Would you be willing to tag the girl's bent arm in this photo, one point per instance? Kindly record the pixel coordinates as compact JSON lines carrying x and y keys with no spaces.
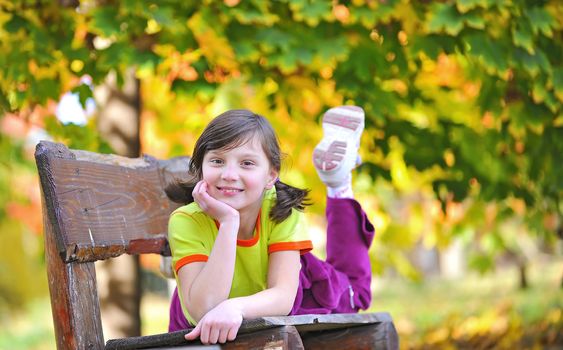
{"x":205,"y":285}
{"x":278,"y":298}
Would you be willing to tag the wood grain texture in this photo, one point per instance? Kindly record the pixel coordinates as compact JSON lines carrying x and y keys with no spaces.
{"x":374,"y":336}
{"x":278,"y":338}
{"x":382,"y":335}
{"x":74,"y":299}
{"x":102,"y":206}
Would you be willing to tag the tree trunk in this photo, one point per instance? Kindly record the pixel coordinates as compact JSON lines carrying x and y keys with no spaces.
{"x":119,"y":282}
{"x":522,"y":269}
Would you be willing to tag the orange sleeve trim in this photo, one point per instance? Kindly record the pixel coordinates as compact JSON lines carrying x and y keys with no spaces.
{"x":190,"y":259}
{"x":302,"y":246}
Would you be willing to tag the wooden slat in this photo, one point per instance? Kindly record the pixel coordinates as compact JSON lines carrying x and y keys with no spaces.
{"x":373,"y":336}
{"x":74,"y":298}
{"x":102,"y":206}
{"x":280,"y":337}
{"x":303,"y":324}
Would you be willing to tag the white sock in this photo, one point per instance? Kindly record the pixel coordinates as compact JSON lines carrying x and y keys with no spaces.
{"x":341,"y":191}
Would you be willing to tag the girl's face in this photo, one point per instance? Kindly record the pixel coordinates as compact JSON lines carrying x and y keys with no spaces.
{"x":239,"y":176}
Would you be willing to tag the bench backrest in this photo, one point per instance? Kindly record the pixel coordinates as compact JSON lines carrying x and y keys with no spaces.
{"x":96,"y":207}
{"x":102,"y":206}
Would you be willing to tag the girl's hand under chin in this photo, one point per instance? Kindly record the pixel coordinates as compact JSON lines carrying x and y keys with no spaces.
{"x":216,"y":209}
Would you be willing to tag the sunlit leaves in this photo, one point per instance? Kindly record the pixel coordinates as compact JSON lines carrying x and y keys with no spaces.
{"x":488,"y":52}
{"x":105,"y":21}
{"x":445,"y":18}
{"x":541,"y":21}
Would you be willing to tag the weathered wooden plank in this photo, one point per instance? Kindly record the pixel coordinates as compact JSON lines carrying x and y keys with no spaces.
{"x":280,"y":337}
{"x":303,"y":324}
{"x":74,"y":298}
{"x":374,"y":336}
{"x":102,"y":206}
{"x":313,"y":322}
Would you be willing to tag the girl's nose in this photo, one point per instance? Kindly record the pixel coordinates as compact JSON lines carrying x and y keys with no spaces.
{"x":229,"y":173}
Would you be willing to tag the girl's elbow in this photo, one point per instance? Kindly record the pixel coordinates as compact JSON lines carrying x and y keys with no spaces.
{"x":288,"y":303}
{"x":287,"y":310}
{"x":198,"y":309}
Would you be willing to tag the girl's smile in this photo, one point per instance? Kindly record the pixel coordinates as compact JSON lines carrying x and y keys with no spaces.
{"x":229,"y":191}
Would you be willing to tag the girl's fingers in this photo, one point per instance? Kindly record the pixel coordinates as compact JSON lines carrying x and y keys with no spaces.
{"x":223,"y":336}
{"x":195,"y":191}
{"x":204,"y":336}
{"x":194,"y":333}
{"x":232,"y":333}
{"x":214,"y":335}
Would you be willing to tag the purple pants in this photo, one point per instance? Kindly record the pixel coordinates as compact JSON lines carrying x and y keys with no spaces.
{"x":341,"y":284}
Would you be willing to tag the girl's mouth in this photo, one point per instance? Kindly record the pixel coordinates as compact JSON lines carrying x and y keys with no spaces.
{"x":229,"y":190}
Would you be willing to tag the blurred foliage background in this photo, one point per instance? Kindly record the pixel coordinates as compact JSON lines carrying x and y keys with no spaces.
{"x":462,"y":153}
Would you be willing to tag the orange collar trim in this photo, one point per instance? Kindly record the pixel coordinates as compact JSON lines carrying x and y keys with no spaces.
{"x":252,"y":241}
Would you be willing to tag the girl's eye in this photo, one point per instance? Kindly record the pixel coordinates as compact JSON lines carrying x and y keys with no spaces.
{"x":216,"y":161}
{"x":247,"y":163}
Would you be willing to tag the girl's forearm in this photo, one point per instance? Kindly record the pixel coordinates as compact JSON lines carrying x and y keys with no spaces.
{"x":269,"y":302}
{"x":213,"y":283}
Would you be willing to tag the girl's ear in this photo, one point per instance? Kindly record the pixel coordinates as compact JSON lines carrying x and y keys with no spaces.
{"x":272,"y":178}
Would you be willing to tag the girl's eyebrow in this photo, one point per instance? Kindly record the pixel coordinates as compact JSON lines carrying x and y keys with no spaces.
{"x":249,"y":155}
{"x":244,"y":155}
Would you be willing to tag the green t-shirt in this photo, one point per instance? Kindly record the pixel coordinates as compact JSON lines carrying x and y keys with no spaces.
{"x":192,"y":234}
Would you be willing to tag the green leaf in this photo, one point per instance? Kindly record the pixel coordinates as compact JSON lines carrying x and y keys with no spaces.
{"x":523,"y":37}
{"x":45,"y":89}
{"x":491,"y":55}
{"x":474,"y":19}
{"x":557,"y":80}
{"x":444,"y":17}
{"x":84,"y":93}
{"x":533,"y":64}
{"x":366,"y":16}
{"x":15,"y":24}
{"x":105,"y":21}
{"x":251,"y":16}
{"x":432,"y":45}
{"x":467,"y":5}
{"x":332,"y":49}
{"x":541,"y":21}
{"x":246,"y":51}
{"x":304,"y":55}
{"x":287,"y":62}
{"x":312,"y":12}
{"x":271,"y":39}
{"x":164,"y":15}
{"x":4,"y":103}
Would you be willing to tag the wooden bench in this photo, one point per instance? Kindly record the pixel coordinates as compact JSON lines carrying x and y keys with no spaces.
{"x":99,"y":206}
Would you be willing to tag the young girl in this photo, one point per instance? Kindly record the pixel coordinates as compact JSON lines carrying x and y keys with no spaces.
{"x":240,"y":249}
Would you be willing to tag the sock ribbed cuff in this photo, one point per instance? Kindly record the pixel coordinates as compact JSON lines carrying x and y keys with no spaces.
{"x":344,"y":191}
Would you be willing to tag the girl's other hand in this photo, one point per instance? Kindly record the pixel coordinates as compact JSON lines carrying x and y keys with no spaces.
{"x":219,"y":325}
{"x":216,"y":209}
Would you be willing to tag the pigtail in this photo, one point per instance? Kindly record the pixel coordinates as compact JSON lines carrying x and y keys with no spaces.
{"x":180,"y":191}
{"x":288,"y":197}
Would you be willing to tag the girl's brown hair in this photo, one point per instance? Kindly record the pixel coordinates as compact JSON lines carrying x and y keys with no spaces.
{"x":230,"y":130}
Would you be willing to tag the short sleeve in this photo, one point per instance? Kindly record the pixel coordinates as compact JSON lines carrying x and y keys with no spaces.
{"x":290,"y":234}
{"x":188,"y":239}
